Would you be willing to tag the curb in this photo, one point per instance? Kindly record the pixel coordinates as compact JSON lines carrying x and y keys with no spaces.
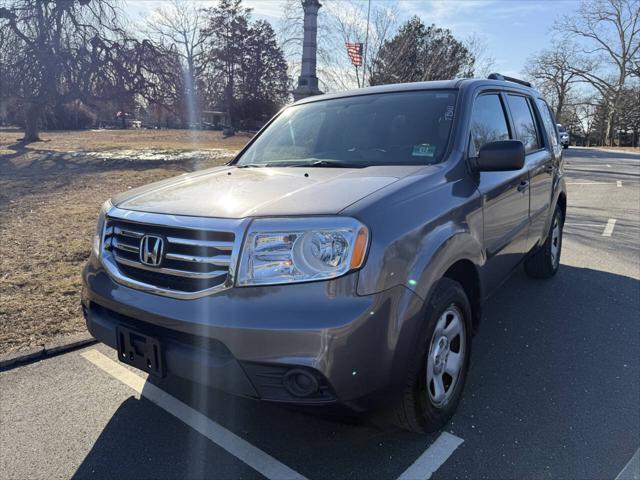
{"x":55,"y":347}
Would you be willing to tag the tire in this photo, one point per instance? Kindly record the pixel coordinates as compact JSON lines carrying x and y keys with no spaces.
{"x":545,"y":262}
{"x":418,"y":409}
{"x":565,"y":146}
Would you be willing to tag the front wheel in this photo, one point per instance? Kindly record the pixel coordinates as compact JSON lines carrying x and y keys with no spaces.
{"x":545,"y":262}
{"x":437,"y":375}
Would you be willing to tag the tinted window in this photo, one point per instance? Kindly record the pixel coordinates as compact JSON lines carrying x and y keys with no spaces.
{"x":488,"y":123}
{"x":524,"y":122}
{"x":383,"y":129}
{"x":547,"y":119}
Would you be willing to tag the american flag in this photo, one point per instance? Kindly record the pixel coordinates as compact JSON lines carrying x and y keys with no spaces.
{"x":355,"y":53}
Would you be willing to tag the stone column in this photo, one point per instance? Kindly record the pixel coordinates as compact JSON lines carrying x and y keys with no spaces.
{"x":307,"y":81}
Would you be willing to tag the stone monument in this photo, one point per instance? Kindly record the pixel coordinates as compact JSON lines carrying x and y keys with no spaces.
{"x":307,"y":81}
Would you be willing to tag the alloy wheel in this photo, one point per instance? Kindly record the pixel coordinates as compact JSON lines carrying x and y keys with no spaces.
{"x":446,"y":357}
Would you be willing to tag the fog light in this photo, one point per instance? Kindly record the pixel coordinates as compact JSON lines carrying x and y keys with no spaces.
{"x":300,"y":383}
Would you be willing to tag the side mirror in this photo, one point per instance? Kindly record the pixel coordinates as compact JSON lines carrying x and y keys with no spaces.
{"x":500,"y":156}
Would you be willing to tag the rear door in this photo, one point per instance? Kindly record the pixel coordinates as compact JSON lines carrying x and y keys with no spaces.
{"x":505,"y":194}
{"x":539,"y":163}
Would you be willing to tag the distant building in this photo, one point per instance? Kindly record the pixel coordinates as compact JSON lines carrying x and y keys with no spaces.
{"x":214,"y":119}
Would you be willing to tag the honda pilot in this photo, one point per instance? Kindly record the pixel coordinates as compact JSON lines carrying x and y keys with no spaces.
{"x":343,"y":257}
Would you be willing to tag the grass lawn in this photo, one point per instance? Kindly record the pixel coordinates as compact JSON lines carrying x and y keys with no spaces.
{"x":50,"y":195}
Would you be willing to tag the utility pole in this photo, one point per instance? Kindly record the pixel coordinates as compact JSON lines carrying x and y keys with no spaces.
{"x":366,"y":45}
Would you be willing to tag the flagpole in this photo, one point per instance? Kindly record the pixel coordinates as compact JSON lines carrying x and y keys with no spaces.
{"x":366,"y":41}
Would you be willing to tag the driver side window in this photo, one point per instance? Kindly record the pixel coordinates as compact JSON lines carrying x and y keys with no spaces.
{"x":488,"y":122}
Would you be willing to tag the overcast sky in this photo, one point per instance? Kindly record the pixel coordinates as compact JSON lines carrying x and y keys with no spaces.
{"x":513,"y":29}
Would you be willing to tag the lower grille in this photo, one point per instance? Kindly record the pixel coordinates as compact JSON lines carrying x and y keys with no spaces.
{"x":187,"y":260}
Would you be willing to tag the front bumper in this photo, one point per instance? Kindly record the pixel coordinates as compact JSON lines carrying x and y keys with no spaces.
{"x":245,"y":340}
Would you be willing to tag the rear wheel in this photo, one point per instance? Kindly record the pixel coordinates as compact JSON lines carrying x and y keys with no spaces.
{"x":545,"y":262}
{"x":438,"y":371}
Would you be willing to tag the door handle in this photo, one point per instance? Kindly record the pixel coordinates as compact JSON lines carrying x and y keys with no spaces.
{"x":523,"y":186}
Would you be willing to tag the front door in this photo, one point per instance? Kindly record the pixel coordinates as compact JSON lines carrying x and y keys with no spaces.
{"x":505,"y":195}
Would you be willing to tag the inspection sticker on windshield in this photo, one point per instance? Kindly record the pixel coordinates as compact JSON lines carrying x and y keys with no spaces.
{"x":424,"y":150}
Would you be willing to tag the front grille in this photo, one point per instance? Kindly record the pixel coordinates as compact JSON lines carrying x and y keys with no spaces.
{"x":193,"y":260}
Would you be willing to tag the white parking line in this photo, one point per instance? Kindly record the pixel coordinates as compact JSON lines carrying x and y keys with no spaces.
{"x":236,"y":446}
{"x":569,"y":224}
{"x":590,"y":183}
{"x":631,"y":471}
{"x":608,"y":228}
{"x":619,"y":183}
{"x":432,"y":458}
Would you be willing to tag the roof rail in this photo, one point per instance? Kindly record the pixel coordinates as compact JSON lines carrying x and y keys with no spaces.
{"x":498,"y":76}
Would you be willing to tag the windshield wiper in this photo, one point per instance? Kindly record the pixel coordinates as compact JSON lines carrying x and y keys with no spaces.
{"x":256,"y":165}
{"x":331,"y":164}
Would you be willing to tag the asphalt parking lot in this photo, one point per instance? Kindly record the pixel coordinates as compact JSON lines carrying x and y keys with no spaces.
{"x":553,"y":392}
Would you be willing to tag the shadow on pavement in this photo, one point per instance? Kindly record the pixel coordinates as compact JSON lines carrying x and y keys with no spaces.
{"x":552,"y":392}
{"x":554,"y":384}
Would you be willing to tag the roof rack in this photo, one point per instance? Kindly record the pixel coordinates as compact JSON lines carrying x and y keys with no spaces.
{"x":504,"y":78}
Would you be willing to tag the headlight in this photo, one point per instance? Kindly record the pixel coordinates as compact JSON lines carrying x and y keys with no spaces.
{"x":97,"y":238}
{"x":295,"y":250}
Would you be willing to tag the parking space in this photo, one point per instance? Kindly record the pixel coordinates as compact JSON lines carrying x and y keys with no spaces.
{"x":553,"y":390}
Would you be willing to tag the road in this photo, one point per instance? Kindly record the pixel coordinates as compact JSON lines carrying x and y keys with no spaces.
{"x":553,"y":391}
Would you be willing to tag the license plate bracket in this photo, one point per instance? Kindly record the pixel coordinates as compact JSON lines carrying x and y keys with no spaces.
{"x":140,"y":351}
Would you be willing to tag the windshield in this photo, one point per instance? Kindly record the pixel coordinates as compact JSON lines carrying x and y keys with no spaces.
{"x":562,"y":130}
{"x":404,"y":128}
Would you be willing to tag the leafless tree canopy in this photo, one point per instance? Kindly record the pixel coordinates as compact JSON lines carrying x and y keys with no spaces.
{"x":609,"y":32}
{"x":554,"y":70}
{"x":65,"y":59}
{"x":69,"y":50}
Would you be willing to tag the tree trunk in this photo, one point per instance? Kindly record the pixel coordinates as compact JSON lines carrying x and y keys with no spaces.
{"x":559,"y":108}
{"x":32,"y":121}
{"x":608,"y":131}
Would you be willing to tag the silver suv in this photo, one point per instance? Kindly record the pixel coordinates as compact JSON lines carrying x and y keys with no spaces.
{"x":343,"y":257}
{"x":564,"y":136}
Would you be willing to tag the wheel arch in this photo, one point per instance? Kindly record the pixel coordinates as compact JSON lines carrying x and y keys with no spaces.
{"x":459,"y":258}
{"x":465,"y":272}
{"x":562,"y":203}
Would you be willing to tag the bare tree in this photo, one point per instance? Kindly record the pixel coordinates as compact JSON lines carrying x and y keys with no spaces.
{"x":50,"y":34}
{"x":580,"y":114}
{"x":179,"y":25}
{"x":611,"y":31}
{"x":554,"y":73}
{"x":484,"y":63}
{"x":69,"y":50}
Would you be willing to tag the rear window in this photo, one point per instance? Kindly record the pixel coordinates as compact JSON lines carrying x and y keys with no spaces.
{"x":547,"y":119}
{"x":524,"y":122}
{"x":382,"y":129}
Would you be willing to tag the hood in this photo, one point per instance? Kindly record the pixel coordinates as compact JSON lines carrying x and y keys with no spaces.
{"x":231,"y":192}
